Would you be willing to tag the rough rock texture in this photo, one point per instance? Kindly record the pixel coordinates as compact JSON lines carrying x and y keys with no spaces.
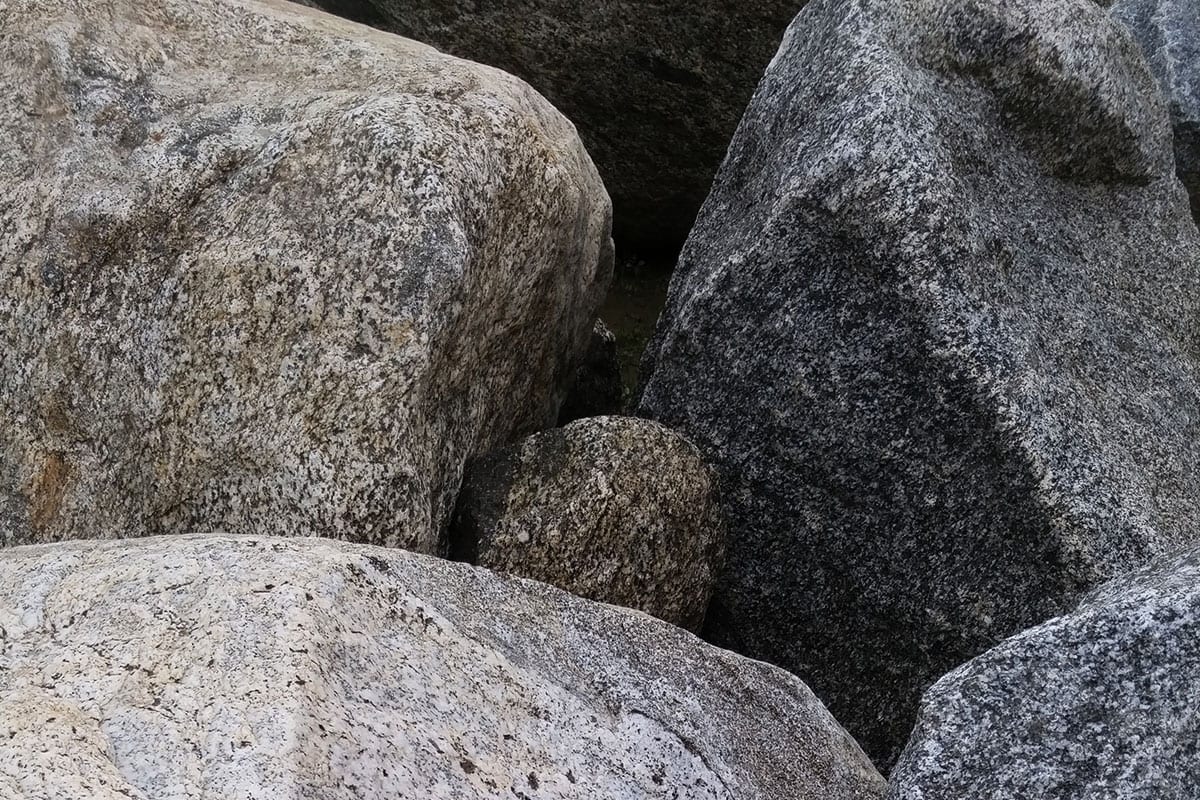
{"x":271,"y":271}
{"x":615,"y":509}
{"x":937,"y":331}
{"x":598,"y":388}
{"x":1169,"y":34}
{"x":1101,"y":702}
{"x":231,"y":667}
{"x":656,"y":89}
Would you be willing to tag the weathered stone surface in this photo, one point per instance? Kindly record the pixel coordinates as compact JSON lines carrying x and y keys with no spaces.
{"x":1169,"y":34}
{"x":1101,"y":702}
{"x":598,"y":389}
{"x":656,"y":89}
{"x":937,"y":329}
{"x":219,"y":666}
{"x":271,"y":271}
{"x":615,"y":509}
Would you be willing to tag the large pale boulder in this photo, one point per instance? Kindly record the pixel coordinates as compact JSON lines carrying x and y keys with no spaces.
{"x":656,"y":88}
{"x":1169,"y":34}
{"x":938,"y":329}
{"x":271,"y":271}
{"x":219,"y":666}
{"x":616,"y":509}
{"x":1101,"y":702}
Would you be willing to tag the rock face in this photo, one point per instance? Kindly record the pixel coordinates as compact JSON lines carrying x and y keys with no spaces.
{"x":598,"y":389}
{"x":223,"y":666}
{"x":937,"y":329}
{"x":272,"y":271}
{"x":1098,"y":703}
{"x":614,"y":509}
{"x":1169,"y":34}
{"x":656,"y":89}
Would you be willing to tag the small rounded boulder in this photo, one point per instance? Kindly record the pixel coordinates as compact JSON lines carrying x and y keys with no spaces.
{"x":615,"y":509}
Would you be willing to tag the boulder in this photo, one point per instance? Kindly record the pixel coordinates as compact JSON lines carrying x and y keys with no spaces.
{"x":272,"y":271}
{"x":1100,"y":702}
{"x":615,"y":509}
{"x":1169,"y":34}
{"x":656,"y":89}
{"x":220,"y":666}
{"x":938,"y":331}
{"x":598,"y":389}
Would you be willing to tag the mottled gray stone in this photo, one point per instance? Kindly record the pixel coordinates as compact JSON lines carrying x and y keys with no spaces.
{"x":1169,"y":34}
{"x":598,"y":389}
{"x":271,"y":271}
{"x":1099,"y":703}
{"x":615,"y":509}
{"x":656,"y":89}
{"x":238,"y":667}
{"x":937,"y":329}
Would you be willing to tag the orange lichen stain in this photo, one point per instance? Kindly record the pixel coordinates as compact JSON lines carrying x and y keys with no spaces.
{"x":47,"y":490}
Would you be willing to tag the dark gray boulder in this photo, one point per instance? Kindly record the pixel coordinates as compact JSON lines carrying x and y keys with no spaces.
{"x":656,"y":89}
{"x":937,"y":329}
{"x":1169,"y":34}
{"x":615,"y":509}
{"x":1099,"y":703}
{"x":598,"y":388}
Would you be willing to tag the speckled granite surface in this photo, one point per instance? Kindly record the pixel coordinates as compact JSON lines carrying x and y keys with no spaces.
{"x":616,"y":509}
{"x":1169,"y":34}
{"x":259,"y":669}
{"x":1103,"y":702}
{"x":656,"y":88}
{"x":938,"y":330}
{"x":270,"y":271}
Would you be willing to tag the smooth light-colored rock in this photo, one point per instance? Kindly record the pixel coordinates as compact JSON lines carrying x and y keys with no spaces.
{"x":656,"y":88}
{"x":1169,"y":34}
{"x":270,"y":271}
{"x":236,"y":667}
{"x":616,"y":509}
{"x":1099,"y":703}
{"x":598,"y":389}
{"x":938,"y":330}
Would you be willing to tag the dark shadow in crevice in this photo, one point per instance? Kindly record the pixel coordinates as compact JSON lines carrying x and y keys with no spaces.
{"x":631,"y":309}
